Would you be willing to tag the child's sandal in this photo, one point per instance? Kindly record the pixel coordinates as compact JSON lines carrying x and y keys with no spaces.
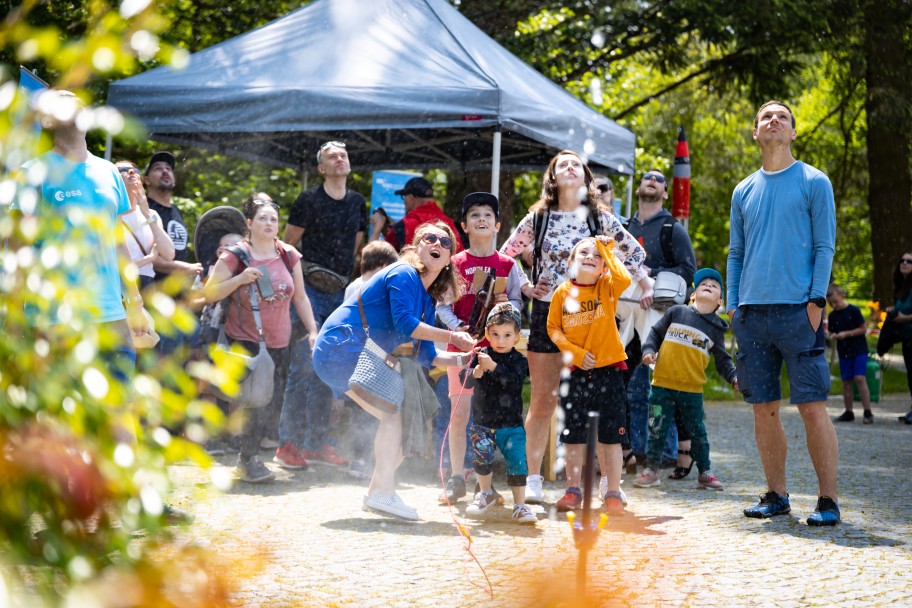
{"x":630,"y":467}
{"x":682,"y":472}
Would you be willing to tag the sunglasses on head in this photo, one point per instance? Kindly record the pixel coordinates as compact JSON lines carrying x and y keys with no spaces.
{"x":656,"y":176}
{"x":265,"y":201}
{"x":431,"y":238}
{"x":337,"y":144}
{"x":905,"y":261}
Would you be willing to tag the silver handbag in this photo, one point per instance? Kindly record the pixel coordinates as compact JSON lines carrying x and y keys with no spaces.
{"x":669,"y":289}
{"x":377,"y":378}
{"x":257,"y":382}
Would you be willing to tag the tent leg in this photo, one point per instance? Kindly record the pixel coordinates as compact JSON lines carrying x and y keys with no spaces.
{"x":109,"y":142}
{"x":630,"y":195}
{"x":495,"y":164}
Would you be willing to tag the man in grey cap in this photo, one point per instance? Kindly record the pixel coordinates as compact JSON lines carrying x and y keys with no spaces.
{"x":420,"y":208}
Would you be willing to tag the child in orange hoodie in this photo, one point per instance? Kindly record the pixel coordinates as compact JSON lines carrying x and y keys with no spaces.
{"x":581,"y":323}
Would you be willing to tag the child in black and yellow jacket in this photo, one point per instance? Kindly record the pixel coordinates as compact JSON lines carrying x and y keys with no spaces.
{"x":581,"y":323}
{"x":685,"y":338}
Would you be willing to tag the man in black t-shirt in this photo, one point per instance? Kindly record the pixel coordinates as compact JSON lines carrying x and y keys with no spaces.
{"x":159,"y":181}
{"x":327,"y":224}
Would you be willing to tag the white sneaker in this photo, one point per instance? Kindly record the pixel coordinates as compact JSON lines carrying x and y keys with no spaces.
{"x":523,"y":515}
{"x":603,"y":491}
{"x":480,"y":505}
{"x":534,"y":489}
{"x":389,"y":505}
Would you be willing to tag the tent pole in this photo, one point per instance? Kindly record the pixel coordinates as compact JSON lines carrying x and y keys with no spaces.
{"x":495,"y":164}
{"x":630,"y":196}
{"x":109,"y":142}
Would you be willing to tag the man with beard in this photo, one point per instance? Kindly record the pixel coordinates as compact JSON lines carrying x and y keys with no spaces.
{"x":159,"y":182}
{"x":668,"y":248}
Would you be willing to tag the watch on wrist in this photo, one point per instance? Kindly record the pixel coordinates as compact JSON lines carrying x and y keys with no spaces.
{"x":819,"y":302}
{"x":459,"y":360}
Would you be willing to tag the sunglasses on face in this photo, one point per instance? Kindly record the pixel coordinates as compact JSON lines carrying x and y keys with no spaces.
{"x":906,"y":261}
{"x":430,"y":238}
{"x":126,"y":170}
{"x":658,"y":177}
{"x":603,"y":188}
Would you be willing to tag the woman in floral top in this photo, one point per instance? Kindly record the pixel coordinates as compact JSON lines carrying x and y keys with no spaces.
{"x":567,"y":192}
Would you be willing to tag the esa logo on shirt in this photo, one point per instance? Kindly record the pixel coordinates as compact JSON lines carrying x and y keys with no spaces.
{"x":60,"y":195}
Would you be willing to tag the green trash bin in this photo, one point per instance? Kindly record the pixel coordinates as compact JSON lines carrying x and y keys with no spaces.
{"x":874,"y":376}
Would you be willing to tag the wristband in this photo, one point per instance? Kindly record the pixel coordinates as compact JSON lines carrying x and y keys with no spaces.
{"x":459,"y":360}
{"x":137,"y":299}
{"x":153,"y":218}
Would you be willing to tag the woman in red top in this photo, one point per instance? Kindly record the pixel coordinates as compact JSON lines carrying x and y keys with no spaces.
{"x":268,"y":256}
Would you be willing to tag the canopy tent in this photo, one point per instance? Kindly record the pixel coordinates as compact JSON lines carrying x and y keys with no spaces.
{"x":405,"y":83}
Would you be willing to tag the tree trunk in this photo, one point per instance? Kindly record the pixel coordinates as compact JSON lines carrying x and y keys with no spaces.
{"x":889,"y":133}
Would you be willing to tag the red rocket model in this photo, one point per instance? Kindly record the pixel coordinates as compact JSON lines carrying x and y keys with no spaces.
{"x":681,"y":195}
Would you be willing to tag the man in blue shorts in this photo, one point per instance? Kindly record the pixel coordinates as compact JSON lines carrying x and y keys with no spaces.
{"x":783,"y":235}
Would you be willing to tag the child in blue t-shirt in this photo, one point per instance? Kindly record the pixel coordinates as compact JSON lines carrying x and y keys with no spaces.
{"x":846,"y":325}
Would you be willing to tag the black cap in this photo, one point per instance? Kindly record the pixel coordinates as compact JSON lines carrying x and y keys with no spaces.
{"x":161,"y":157}
{"x":417,"y":186}
{"x":477,"y":199}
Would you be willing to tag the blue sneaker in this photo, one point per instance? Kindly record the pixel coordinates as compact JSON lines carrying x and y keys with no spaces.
{"x":770,"y":504}
{"x":826,"y":513}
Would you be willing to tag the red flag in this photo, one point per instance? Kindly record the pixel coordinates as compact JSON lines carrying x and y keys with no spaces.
{"x":680,"y":207}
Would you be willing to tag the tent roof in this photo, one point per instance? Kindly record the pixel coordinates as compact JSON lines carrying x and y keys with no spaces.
{"x":406,"y":83}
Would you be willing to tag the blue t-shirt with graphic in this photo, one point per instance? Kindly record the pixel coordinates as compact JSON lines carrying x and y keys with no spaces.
{"x":78,"y":205}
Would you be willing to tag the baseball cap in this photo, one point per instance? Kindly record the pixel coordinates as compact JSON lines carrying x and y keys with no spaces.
{"x":477,"y":199}
{"x":417,"y":186}
{"x":161,"y":157}
{"x":708,"y":273}
{"x":504,"y":308}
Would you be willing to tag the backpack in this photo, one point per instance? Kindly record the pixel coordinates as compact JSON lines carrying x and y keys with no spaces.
{"x":670,"y":288}
{"x":664,"y":237}
{"x":540,"y":226}
{"x":212,"y":317}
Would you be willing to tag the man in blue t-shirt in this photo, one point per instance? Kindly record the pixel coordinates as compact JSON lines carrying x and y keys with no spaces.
{"x":783,"y":235}
{"x":77,"y":199}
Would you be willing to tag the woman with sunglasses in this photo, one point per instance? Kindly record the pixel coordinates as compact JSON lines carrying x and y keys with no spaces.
{"x":569,"y":196}
{"x":399,"y":304}
{"x":272,"y":259}
{"x":146,"y":239}
{"x":901,"y":313}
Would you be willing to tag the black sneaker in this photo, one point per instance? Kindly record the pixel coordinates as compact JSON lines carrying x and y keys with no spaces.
{"x":826,"y":513}
{"x":455,"y":489}
{"x":177,"y":516}
{"x":907,"y":418}
{"x":868,"y":417}
{"x":770,"y":504}
{"x":846,"y":416}
{"x":254,"y":471}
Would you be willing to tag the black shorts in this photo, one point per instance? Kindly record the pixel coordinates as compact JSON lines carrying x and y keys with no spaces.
{"x":600,"y":390}
{"x":539,"y":342}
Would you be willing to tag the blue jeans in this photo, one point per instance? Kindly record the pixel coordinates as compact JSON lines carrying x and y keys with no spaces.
{"x":442,"y":419}
{"x":304,"y":421}
{"x":638,"y":396}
